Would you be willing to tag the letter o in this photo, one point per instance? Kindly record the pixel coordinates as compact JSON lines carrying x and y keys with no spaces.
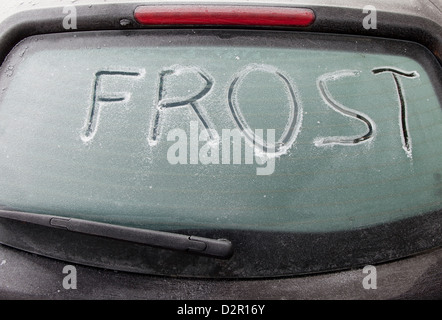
{"x":293,"y":125}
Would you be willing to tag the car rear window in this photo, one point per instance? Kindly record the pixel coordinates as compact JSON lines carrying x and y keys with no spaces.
{"x":255,"y":131}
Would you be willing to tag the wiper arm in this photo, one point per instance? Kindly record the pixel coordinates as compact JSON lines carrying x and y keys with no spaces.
{"x":216,"y":248}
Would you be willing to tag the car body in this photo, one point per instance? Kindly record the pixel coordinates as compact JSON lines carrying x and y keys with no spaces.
{"x":335,"y":259}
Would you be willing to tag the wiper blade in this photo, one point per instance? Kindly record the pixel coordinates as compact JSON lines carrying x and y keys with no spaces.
{"x":216,"y":248}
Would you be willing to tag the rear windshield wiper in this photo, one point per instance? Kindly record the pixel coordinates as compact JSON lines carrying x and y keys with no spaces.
{"x":216,"y":248}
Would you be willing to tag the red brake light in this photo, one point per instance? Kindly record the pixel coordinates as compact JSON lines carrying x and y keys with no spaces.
{"x":223,"y":15}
